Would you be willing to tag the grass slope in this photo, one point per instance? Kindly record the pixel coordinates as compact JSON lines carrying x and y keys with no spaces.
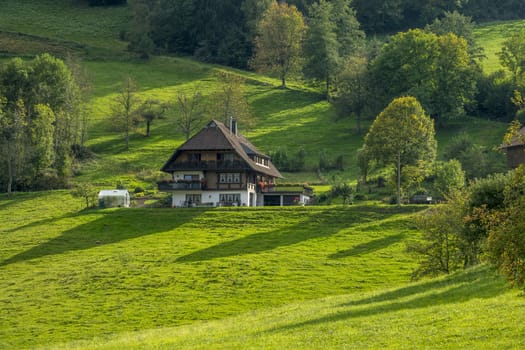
{"x":70,"y":275}
{"x":455,"y":312}
{"x":58,"y":26}
{"x":490,"y":36}
{"x":295,"y":118}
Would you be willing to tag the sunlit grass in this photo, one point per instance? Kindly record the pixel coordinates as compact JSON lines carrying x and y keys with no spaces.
{"x":491,"y":36}
{"x":455,"y":312}
{"x":70,"y":274}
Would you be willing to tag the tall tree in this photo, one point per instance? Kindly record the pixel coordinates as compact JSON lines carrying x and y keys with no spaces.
{"x":321,"y":48}
{"x":354,"y":91}
{"x":12,"y":140}
{"x":279,"y":40}
{"x":189,"y":113}
{"x":402,"y":135}
{"x":125,"y":108}
{"x":350,"y":37}
{"x":437,"y":70}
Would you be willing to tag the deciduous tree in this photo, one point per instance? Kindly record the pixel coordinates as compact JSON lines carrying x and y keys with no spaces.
{"x":435,"y":69}
{"x":189,"y":113}
{"x":401,"y":135}
{"x":125,"y":108}
{"x":278,"y":44}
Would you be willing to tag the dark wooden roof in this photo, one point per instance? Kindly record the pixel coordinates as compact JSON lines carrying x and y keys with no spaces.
{"x":215,"y":136}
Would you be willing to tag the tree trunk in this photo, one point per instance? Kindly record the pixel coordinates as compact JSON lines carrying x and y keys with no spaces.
{"x":359,"y":123}
{"x":10,"y":175}
{"x":283,"y":81}
{"x":148,"y":123}
{"x":399,"y":178}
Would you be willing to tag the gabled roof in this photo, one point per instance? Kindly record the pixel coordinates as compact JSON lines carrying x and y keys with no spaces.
{"x":215,"y":136}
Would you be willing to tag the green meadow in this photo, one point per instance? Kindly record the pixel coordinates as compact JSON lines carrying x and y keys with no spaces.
{"x":153,"y":278}
{"x":298,"y":277}
{"x":73,"y":274}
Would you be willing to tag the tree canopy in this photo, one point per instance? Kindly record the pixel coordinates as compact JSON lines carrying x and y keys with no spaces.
{"x":278,"y":44}
{"x":39,"y":116}
{"x":402,"y":135}
{"x":436,"y":69}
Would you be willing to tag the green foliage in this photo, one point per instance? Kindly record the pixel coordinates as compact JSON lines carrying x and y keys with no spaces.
{"x":400,"y":136}
{"x":292,"y":164}
{"x":475,"y":159}
{"x":460,"y":25}
{"x":40,"y":120}
{"x":494,"y":97}
{"x":343,"y":190}
{"x":321,"y":47}
{"x":87,"y":193}
{"x":512,"y":55}
{"x":506,"y":242}
{"x":440,"y":250}
{"x":437,"y":70}
{"x":278,"y":45}
{"x":449,"y":177}
{"x":354,"y":90}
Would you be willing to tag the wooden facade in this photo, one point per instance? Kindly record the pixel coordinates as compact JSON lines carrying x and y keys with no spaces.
{"x":218,"y":167}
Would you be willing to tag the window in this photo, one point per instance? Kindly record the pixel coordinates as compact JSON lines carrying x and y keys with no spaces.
{"x":230,"y":178}
{"x":193,"y":198}
{"x":191,"y":177}
{"x":261,"y":161}
{"x":230,"y":197}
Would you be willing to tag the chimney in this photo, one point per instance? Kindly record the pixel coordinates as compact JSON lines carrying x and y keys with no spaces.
{"x":233,"y":126}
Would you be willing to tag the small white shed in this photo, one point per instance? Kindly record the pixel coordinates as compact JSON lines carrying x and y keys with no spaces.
{"x":113,"y":198}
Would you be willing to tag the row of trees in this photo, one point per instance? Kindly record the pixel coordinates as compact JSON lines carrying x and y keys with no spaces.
{"x":439,"y":65}
{"x":187,"y":111}
{"x":40,"y":122}
{"x":223,"y":31}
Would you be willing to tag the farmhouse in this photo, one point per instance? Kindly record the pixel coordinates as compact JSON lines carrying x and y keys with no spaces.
{"x":516,"y":150}
{"x":220,"y":167}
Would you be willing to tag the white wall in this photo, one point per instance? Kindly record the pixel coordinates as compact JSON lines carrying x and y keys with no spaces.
{"x":209,"y":196}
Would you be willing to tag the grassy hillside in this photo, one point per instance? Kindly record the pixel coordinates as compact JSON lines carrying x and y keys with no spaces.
{"x":293,"y":119}
{"x":456,"y":312}
{"x":30,"y":27}
{"x":70,"y":275}
{"x":315,"y":277}
{"x":491,"y":36}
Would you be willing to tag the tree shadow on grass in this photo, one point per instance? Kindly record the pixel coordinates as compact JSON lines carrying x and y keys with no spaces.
{"x":114,"y":226}
{"x":368,"y":247}
{"x":314,"y":225}
{"x":476,"y":283}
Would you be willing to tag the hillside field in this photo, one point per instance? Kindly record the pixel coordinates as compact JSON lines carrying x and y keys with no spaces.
{"x":314,"y":277}
{"x":320,"y":277}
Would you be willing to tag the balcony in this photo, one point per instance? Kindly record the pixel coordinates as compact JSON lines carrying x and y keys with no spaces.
{"x":180,"y":185}
{"x":210,"y":165}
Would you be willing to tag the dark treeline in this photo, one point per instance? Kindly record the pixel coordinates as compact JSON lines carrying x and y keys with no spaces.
{"x":222,"y":31}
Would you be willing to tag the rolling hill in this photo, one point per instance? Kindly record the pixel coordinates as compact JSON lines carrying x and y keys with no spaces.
{"x":144,"y":278}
